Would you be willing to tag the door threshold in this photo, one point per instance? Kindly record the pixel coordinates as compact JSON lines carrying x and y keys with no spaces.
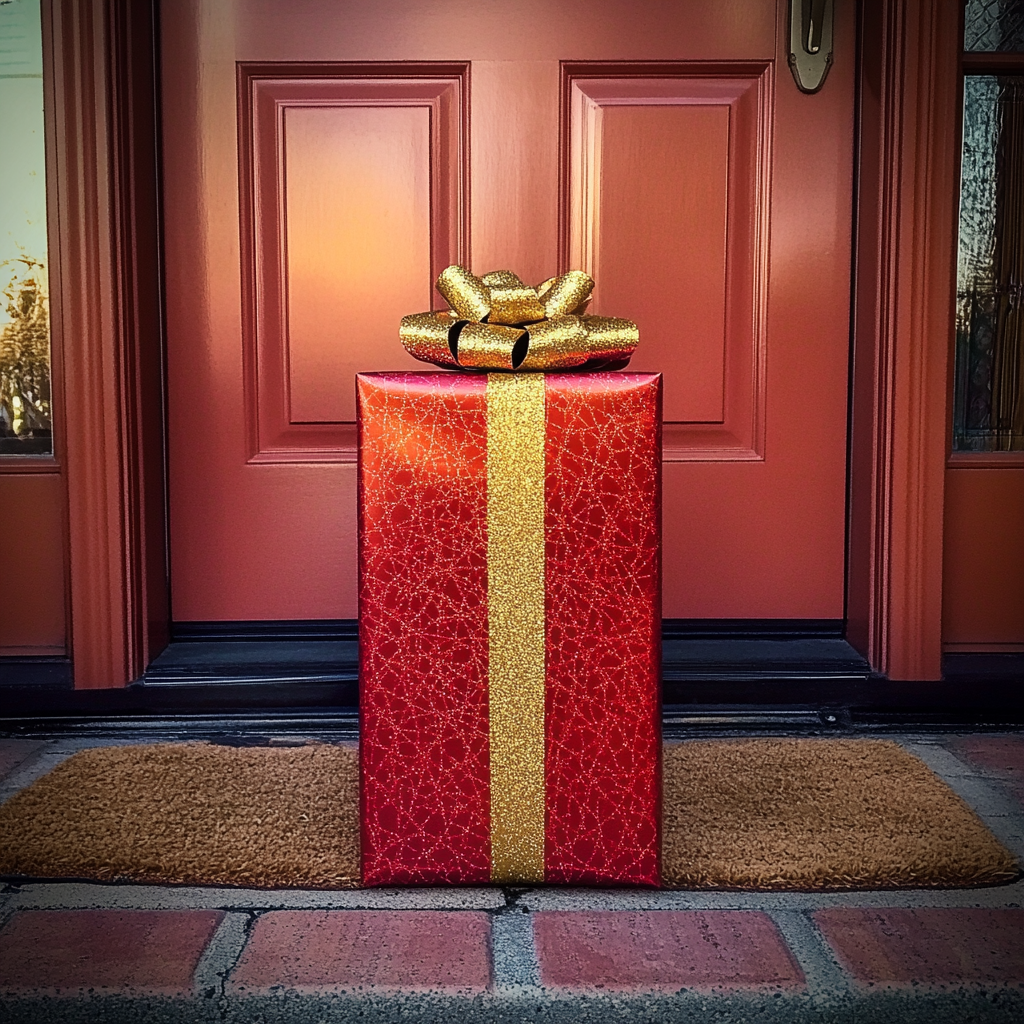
{"x":271,"y":678}
{"x":269,"y":728}
{"x":295,"y":726}
{"x":258,"y":654}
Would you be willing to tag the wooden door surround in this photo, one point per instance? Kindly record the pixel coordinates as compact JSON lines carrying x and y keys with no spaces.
{"x":107,"y":288}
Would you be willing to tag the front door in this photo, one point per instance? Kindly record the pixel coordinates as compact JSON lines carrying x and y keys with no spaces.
{"x":323,"y":161}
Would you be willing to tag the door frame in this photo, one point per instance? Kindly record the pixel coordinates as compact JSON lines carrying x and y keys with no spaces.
{"x":101,"y":63}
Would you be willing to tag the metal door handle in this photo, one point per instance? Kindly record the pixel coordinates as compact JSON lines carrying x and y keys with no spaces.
{"x":810,"y":42}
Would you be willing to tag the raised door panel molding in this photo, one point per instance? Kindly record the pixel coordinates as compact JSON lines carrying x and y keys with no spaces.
{"x":983,"y":558}
{"x":353,"y":201}
{"x":666,"y":205}
{"x":33,"y":621}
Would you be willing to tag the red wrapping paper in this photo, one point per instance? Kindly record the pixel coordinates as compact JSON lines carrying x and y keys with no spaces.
{"x":425,"y":775}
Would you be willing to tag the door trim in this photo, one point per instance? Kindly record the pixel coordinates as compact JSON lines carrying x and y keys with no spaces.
{"x":103,"y":188}
{"x":106,"y":188}
{"x":903,"y":308}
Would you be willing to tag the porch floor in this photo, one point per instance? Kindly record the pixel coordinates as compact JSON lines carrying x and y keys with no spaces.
{"x":74,"y":951}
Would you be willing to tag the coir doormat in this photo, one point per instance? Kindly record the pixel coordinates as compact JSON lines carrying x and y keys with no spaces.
{"x":766,"y":814}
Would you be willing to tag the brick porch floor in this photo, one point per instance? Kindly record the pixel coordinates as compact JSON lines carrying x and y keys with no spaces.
{"x":82,"y":952}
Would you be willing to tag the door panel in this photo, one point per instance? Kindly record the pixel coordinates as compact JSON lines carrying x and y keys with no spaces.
{"x":357,"y":210}
{"x":983,"y":554}
{"x":32,"y":619}
{"x":663,"y":147}
{"x":688,"y":263}
{"x":354,"y":184}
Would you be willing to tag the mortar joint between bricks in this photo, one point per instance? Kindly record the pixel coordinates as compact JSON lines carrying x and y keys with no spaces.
{"x":513,"y":894}
{"x":247,"y":927}
{"x":8,"y":904}
{"x":221,"y":956}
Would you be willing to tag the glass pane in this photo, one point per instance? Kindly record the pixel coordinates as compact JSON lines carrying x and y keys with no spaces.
{"x":994,"y":25}
{"x":25,"y":426}
{"x":988,"y":404}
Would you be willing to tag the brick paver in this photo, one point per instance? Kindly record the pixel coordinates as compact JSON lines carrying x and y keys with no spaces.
{"x":408,"y":951}
{"x":936,"y":946}
{"x":1002,"y":754}
{"x":662,"y":950}
{"x":142,"y":951}
{"x":14,"y":752}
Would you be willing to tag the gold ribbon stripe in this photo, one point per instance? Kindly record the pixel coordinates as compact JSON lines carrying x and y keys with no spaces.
{"x":515,"y":623}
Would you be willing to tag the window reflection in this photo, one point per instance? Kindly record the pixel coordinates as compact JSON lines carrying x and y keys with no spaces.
{"x":988,"y":410}
{"x":991,"y":25}
{"x":25,"y":414}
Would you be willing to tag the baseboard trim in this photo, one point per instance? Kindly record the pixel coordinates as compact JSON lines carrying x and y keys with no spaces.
{"x":697,"y":654}
{"x":35,"y":672}
{"x":265,"y":630}
{"x":981,"y":665}
{"x":291,"y":653}
{"x":701,"y":657}
{"x":752,"y":629}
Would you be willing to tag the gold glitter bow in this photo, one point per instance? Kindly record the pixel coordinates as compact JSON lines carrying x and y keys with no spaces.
{"x":496,"y":322}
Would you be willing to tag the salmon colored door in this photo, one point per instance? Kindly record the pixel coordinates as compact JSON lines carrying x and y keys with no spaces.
{"x":324,"y":160}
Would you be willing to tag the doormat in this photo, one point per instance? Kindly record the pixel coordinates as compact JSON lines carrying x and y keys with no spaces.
{"x":190,"y":814}
{"x":818,"y":814}
{"x":763,"y":814}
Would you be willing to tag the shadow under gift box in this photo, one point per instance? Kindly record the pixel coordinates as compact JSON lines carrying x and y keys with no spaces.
{"x":509,"y":627}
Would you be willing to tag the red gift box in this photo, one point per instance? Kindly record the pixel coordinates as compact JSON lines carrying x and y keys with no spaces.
{"x":509,"y":627}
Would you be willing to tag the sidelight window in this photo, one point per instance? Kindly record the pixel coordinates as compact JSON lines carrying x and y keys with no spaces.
{"x":988,"y":397}
{"x":25,"y":405}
